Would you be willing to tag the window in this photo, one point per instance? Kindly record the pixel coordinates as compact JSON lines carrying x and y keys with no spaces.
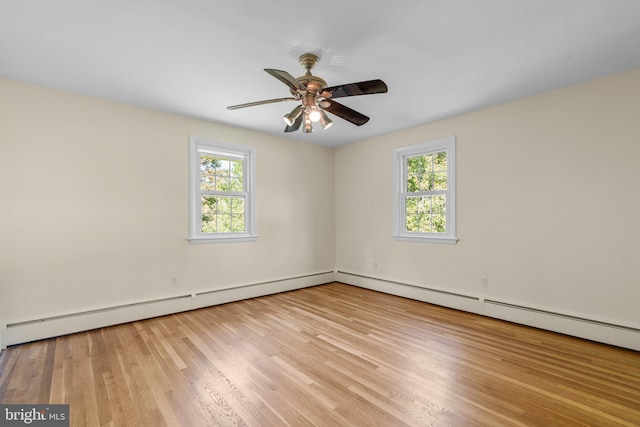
{"x":424,"y":199}
{"x":222,"y":191}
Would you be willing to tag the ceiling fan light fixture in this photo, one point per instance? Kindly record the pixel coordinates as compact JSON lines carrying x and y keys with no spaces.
{"x":325,"y":121}
{"x":290,"y":118}
{"x":314,"y":114}
{"x":308,"y":125}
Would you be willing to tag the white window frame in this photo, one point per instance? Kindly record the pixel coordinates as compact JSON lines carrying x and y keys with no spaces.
{"x":198,"y":146}
{"x":400,"y":156}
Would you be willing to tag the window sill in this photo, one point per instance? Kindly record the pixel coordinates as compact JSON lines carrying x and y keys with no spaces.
{"x":222,"y":239}
{"x":426,"y":239}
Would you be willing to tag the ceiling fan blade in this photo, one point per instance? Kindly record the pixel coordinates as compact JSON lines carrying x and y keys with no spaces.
{"x":253,"y":104}
{"x":296,"y":124}
{"x":345,"y":112}
{"x":352,"y":89}
{"x":287,"y":79}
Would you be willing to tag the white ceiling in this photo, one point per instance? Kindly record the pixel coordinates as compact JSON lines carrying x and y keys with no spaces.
{"x":439,"y":58}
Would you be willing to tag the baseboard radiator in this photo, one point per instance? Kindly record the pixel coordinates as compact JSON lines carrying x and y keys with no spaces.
{"x":608,"y":332}
{"x":627,"y":336}
{"x":67,"y":323}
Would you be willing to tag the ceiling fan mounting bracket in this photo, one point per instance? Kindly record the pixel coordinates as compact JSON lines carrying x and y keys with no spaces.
{"x":308,"y":60}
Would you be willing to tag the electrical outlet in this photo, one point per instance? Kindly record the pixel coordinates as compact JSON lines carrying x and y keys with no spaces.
{"x":484,"y":281}
{"x":375,"y":265}
{"x":174,"y":280}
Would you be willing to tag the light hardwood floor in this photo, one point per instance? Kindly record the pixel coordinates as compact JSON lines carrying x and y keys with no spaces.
{"x":331,"y":355}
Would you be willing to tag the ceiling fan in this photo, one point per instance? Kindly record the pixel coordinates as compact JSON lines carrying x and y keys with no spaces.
{"x":316,"y":97}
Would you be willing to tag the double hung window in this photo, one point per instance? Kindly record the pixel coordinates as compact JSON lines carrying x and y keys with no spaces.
{"x":222,"y":192}
{"x":424,"y":199}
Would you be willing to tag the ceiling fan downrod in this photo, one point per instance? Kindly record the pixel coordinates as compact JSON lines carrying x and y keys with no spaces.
{"x":312,"y":112}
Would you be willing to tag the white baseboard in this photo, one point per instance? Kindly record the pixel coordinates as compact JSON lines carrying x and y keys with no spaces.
{"x":581,"y":326}
{"x":609,"y":332}
{"x":420,"y":293}
{"x":67,"y":323}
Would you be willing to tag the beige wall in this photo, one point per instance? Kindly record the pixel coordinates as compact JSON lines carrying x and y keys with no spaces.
{"x":548,"y":203}
{"x":94,"y":206}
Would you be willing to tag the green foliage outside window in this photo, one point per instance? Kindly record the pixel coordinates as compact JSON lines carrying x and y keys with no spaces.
{"x":427,"y":172}
{"x":426,"y":176}
{"x":222,"y":213}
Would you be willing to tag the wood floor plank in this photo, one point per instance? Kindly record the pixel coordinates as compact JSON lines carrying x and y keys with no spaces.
{"x":330,"y":355}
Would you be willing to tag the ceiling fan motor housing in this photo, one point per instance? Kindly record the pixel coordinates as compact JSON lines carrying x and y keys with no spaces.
{"x":314,"y":84}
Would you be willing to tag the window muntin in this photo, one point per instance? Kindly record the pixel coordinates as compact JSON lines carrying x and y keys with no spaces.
{"x":222,"y":194}
{"x":424,"y":199}
{"x":222,"y":191}
{"x":425,"y":186}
